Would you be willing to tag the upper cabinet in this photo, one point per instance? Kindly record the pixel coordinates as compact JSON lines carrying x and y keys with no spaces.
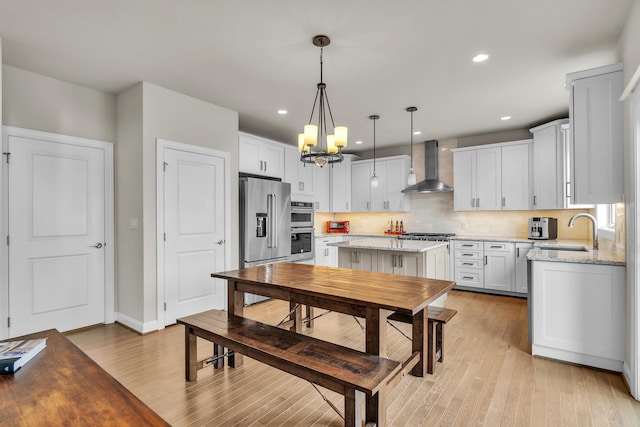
{"x":492,"y":177}
{"x":300,"y":175}
{"x":548,"y":165}
{"x":340,"y":179}
{"x":595,"y":114}
{"x":388,"y":196}
{"x":260,"y":156}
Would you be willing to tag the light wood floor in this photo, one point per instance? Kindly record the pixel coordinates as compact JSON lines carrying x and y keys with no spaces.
{"x":488,"y":376}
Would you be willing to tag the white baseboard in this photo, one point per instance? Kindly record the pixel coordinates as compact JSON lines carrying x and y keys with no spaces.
{"x":135,"y":324}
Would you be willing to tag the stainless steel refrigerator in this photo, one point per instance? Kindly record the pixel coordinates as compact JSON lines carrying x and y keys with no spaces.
{"x":265,"y":224}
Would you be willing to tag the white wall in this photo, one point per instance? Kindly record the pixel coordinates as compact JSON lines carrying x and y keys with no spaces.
{"x":34,"y":101}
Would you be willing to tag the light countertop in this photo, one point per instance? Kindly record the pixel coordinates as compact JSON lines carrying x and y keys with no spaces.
{"x":390,"y":244}
{"x":496,"y":239}
{"x":607,"y":254}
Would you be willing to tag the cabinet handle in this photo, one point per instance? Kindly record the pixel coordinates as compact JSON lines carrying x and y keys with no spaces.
{"x":326,"y":251}
{"x":401,"y":261}
{"x":467,"y":245}
{"x":467,"y":277}
{"x":353,"y":257}
{"x":496,"y":246}
{"x":517,"y":252}
{"x":347,"y":206}
{"x":535,"y":200}
{"x":466,"y":254}
{"x":393,"y":260}
{"x":367,"y":205}
{"x":261,"y":164}
{"x":467,"y":263}
{"x":504,"y":201}
{"x":473,"y":203}
{"x":485,"y":260}
{"x":478,"y":202}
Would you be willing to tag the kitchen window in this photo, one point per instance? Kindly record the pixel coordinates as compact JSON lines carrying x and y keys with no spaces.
{"x":606,"y":215}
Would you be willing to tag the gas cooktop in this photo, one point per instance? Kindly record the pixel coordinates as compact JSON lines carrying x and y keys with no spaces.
{"x":438,"y":237}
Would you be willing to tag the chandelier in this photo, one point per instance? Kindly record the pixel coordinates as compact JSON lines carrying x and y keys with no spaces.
{"x":316,"y":145}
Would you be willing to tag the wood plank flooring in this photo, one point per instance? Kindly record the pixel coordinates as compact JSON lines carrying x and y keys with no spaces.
{"x":488,"y":377}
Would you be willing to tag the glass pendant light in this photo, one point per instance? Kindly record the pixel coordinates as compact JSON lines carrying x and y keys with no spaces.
{"x":374,"y":178}
{"x":411,"y":179}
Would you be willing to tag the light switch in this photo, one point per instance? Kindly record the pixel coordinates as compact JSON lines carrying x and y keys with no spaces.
{"x":133,"y":223}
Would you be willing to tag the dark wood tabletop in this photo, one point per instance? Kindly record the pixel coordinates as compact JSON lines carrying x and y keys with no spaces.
{"x":62,"y":386}
{"x":392,"y":292}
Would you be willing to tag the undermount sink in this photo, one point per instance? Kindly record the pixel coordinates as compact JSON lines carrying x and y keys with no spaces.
{"x":560,"y":247}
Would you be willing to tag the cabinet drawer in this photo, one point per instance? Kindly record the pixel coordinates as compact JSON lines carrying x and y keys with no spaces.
{"x":469,"y":278}
{"x":465,"y":244}
{"x":468,"y":263}
{"x":498,"y":246}
{"x":462,"y":254}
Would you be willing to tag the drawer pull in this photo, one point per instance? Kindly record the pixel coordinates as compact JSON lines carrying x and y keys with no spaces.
{"x":496,"y":246}
{"x":466,"y":245}
{"x":467,"y":263}
{"x":467,"y":277}
{"x":467,"y":254}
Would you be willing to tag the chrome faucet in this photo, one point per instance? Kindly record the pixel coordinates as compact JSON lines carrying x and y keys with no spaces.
{"x":594,"y":224}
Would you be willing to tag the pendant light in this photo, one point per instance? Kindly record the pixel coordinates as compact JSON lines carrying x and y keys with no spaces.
{"x":411,"y":179}
{"x":316,"y":145}
{"x":374,"y":178}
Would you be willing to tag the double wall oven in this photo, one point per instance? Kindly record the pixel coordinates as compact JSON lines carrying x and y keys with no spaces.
{"x":302,"y":240}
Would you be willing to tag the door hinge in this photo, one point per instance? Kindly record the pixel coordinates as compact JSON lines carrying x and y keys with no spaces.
{"x":164,"y":166}
{"x":165,"y":306}
{"x":7,"y":154}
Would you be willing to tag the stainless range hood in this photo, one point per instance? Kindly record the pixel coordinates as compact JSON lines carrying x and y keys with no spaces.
{"x":430,"y":184}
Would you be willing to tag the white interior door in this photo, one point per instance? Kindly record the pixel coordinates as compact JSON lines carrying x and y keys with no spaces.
{"x":56,"y":198}
{"x":195,"y":242}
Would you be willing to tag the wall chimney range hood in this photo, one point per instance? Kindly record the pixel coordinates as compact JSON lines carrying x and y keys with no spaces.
{"x":430,"y":184}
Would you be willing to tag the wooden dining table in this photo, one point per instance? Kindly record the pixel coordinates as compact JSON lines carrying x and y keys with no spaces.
{"x":370,"y":295}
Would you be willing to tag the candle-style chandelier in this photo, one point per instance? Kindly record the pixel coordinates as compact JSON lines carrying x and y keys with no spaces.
{"x":316,"y":145}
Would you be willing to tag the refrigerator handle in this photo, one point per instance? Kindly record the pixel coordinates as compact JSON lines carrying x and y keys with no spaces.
{"x":274,"y":218}
{"x":269,"y":220}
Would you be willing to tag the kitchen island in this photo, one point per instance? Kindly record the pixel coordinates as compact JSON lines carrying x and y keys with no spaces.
{"x":390,"y":255}
{"x":577,"y":303}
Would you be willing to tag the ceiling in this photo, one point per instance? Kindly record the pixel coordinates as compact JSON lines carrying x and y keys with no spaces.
{"x":256,"y":57}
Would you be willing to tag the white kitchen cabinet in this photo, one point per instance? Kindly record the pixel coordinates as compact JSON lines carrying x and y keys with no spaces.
{"x":468,"y":261}
{"x":578,"y":313}
{"x":595,"y":113}
{"x":521,"y":276}
{"x":477,"y":179}
{"x":341,"y":184}
{"x":492,"y":177}
{"x":548,"y":165}
{"x":404,"y":263}
{"x":322,"y":190}
{"x":499,"y":266}
{"x":260,"y":156}
{"x":301,"y":176}
{"x":388,"y":196}
{"x":437,"y":264}
{"x":326,"y":255}
{"x":358,"y":259}
{"x":516,"y":188}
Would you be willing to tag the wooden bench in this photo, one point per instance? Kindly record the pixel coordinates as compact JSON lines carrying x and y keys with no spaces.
{"x":344,"y":370}
{"x":437,"y":318}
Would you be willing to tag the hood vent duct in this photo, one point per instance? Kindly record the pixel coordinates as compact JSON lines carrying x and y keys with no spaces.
{"x":430,"y":184}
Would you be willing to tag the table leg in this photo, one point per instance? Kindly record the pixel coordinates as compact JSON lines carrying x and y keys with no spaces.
{"x":235,"y":306}
{"x":376,"y":343}
{"x":296,"y":316}
{"x":190,"y":354}
{"x":419,"y":343}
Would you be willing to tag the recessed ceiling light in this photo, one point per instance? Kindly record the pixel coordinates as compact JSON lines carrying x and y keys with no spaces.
{"x":505,"y":118}
{"x":358,"y":142}
{"x":481,"y":57}
{"x":417,"y":132}
{"x":282,"y":112}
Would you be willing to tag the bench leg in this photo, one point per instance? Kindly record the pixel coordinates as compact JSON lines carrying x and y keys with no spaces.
{"x":309,"y":315}
{"x":353,"y":407}
{"x":430,"y":348}
{"x":190,"y":354}
{"x":440,"y":341}
{"x":218,"y":351}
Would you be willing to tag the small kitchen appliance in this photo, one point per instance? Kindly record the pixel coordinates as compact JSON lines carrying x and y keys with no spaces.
{"x":543,"y":228}
{"x":337,"y":226}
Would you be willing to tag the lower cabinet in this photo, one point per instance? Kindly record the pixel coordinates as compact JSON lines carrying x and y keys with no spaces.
{"x":431,"y":264}
{"x":493,"y":265}
{"x":578,"y":313}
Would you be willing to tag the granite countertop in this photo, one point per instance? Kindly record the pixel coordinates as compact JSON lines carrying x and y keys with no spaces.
{"x":607,"y":254}
{"x":390,"y":244}
{"x":496,"y":239}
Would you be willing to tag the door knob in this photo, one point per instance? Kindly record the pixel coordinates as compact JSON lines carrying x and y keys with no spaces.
{"x":97,"y":245}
